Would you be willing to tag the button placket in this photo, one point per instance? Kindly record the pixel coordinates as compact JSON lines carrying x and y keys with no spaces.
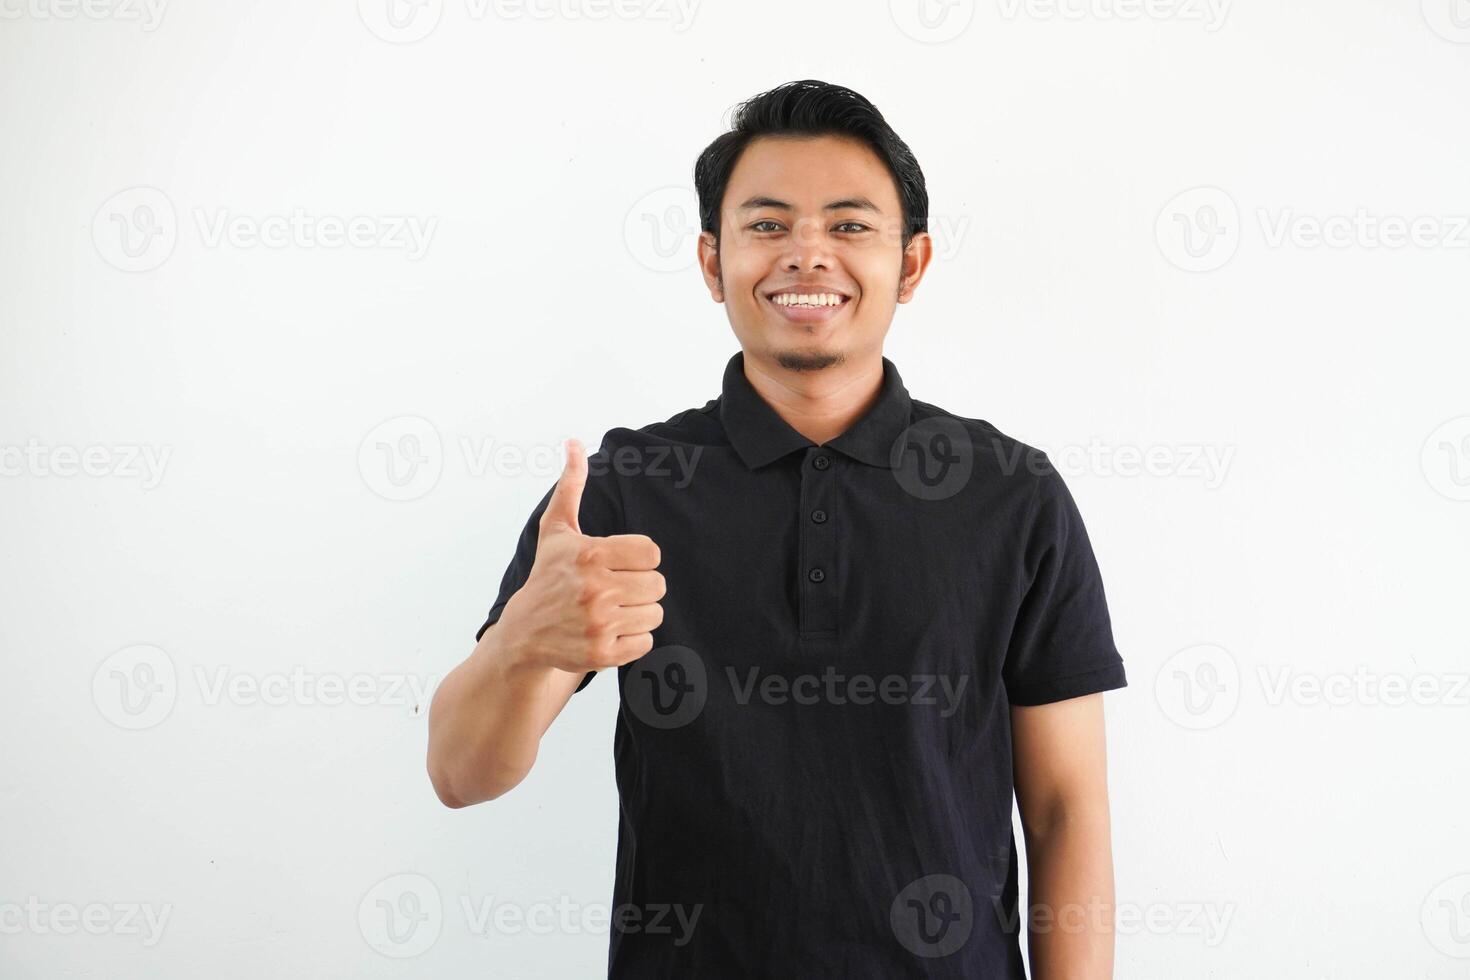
{"x":817,"y":576}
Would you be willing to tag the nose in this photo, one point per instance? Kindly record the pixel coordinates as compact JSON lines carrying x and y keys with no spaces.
{"x":808,"y":247}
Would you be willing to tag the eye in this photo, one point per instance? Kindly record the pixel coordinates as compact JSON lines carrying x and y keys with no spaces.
{"x":765,"y":221}
{"x":856,"y":225}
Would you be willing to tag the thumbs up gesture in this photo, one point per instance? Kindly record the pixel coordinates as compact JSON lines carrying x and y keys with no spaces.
{"x":590,"y":602}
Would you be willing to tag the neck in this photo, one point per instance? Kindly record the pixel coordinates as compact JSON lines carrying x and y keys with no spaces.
{"x":823,"y":404}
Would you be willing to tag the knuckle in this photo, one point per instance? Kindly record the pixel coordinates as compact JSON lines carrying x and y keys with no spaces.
{"x":587,"y":552}
{"x":593,"y":588}
{"x":600,"y":657}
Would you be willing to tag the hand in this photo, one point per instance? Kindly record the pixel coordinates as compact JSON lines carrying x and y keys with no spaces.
{"x":590,"y":602}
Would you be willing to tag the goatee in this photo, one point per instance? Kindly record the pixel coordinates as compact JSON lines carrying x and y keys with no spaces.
{"x":801,"y":360}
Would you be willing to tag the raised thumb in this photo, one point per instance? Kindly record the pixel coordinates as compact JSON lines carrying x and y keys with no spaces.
{"x":566,"y":500}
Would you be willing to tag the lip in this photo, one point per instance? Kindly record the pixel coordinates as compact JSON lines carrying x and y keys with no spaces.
{"x":816,"y":314}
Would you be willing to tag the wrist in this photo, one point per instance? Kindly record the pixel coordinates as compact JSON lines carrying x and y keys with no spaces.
{"x":506,"y":650}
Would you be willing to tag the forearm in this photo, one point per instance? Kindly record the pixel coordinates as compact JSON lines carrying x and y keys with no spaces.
{"x":487,"y":718}
{"x":1070,"y":925}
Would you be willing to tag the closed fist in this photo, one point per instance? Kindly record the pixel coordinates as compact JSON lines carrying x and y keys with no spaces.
{"x":590,"y":602}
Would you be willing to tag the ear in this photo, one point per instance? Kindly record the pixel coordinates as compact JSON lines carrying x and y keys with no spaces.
{"x":916,"y":260}
{"x":709,"y":265}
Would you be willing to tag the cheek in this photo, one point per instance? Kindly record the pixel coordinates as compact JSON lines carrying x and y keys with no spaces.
{"x":742,"y":272}
{"x":877,"y":277}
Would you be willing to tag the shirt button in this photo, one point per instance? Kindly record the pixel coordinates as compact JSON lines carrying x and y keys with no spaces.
{"x":821,"y":462}
{"x":819,"y":516}
{"x":816,"y":575}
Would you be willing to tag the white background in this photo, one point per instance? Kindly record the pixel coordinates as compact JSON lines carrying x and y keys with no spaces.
{"x":1258,"y":831}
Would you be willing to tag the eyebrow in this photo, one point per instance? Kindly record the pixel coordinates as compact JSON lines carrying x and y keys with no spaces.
{"x":859,"y":203}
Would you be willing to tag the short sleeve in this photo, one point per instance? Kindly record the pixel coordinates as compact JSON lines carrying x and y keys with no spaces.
{"x":1062,"y":641}
{"x":601,"y":513}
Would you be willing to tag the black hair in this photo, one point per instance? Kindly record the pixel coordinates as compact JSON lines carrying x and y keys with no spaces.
{"x":810,"y":108}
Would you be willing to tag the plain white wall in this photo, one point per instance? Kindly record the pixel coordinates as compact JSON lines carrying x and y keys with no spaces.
{"x":1227,"y":239}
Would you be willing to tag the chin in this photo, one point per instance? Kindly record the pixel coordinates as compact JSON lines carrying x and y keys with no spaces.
{"x":808,"y":358}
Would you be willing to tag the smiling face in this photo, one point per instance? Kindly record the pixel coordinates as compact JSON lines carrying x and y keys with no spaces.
{"x":810,"y":264}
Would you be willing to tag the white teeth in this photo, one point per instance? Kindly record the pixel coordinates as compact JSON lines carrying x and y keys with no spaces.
{"x":807,"y":299}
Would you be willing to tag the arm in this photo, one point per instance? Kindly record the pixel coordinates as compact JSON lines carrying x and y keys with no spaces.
{"x":588,"y":603}
{"x":1060,"y":767}
{"x":488,"y":715}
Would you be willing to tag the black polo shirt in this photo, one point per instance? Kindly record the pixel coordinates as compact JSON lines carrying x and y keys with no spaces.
{"x":814,"y":761}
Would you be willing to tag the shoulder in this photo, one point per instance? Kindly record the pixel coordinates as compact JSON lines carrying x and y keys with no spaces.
{"x":695,"y":426}
{"x":997,"y":457}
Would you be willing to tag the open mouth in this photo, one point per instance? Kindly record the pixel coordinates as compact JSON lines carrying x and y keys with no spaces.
{"x":808,"y":307}
{"x":787,"y":298}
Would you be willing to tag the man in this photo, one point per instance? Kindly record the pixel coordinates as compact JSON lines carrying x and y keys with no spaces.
{"x":847,"y":624}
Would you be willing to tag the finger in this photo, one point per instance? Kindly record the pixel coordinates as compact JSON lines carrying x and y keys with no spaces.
{"x":631,"y":620}
{"x":566,"y":500}
{"x":626,"y":649}
{"x":626,"y":552}
{"x":637,"y":588}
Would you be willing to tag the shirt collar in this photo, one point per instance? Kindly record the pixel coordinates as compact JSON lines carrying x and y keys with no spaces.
{"x":760,"y":435}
